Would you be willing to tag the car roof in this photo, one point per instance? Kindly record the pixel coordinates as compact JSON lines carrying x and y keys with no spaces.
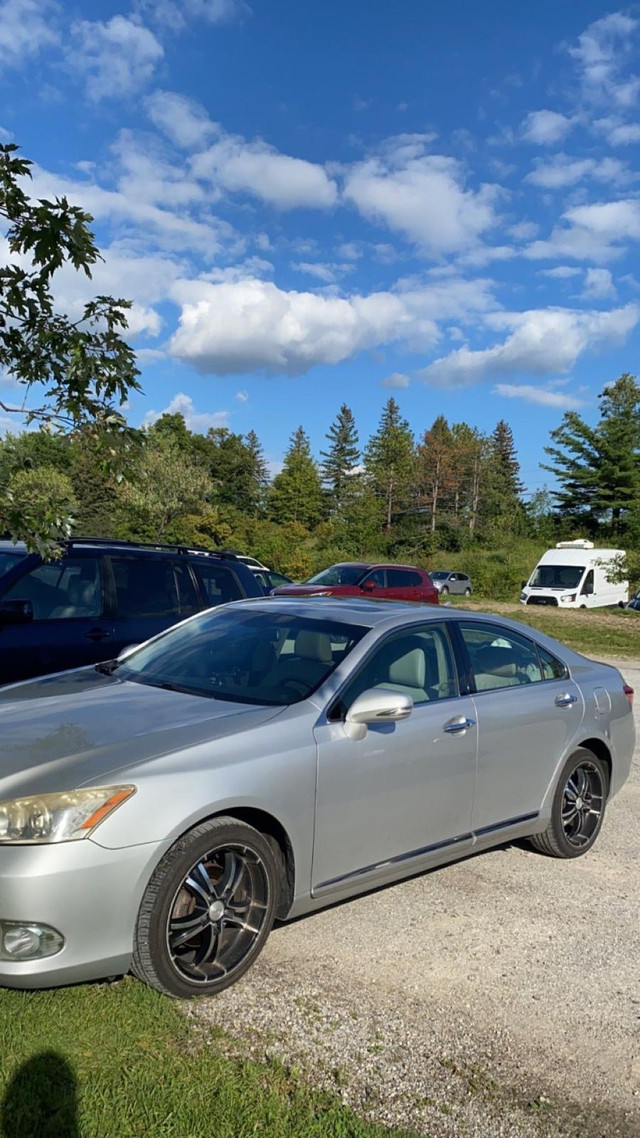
{"x":13,"y":546}
{"x":374,"y":565}
{"x":149,"y":548}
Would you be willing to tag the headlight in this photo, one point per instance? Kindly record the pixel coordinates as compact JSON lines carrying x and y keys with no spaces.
{"x":64,"y":817}
{"x":569,"y":597}
{"x":523,"y":596}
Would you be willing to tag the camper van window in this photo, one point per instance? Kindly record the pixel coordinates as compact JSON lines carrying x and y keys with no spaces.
{"x":557,"y":576}
{"x":587,"y":588}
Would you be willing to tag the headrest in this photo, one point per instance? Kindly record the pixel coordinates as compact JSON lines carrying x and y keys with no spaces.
{"x":409,"y":669}
{"x":496,"y":661}
{"x":313,"y":646}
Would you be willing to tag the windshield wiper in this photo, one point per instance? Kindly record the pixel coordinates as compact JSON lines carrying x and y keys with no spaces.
{"x":107,"y":667}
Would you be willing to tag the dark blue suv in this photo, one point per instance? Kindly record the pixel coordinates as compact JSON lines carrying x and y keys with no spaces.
{"x":104,"y":595}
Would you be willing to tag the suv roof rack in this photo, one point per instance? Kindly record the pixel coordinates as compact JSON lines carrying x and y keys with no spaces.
{"x":152,"y":546}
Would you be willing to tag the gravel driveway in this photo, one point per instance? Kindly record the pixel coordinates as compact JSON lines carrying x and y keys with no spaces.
{"x":499,"y":996}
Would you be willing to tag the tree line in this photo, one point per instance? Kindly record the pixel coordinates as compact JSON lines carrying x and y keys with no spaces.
{"x":453,"y":489}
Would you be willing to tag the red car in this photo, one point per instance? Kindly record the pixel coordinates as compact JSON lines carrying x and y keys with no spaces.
{"x":363,"y":579}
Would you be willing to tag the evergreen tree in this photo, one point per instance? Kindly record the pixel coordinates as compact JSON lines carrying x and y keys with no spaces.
{"x":501,"y":504}
{"x":341,"y":459}
{"x":296,"y":493}
{"x":598,"y":468}
{"x":390,"y":459}
{"x":258,"y":473}
{"x":435,"y":469}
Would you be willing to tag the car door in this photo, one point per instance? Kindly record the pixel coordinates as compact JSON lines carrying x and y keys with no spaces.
{"x":69,"y":627}
{"x":149,"y":593}
{"x":407,"y":787}
{"x":527,"y":710}
{"x":403,"y":585}
{"x":373,"y":585}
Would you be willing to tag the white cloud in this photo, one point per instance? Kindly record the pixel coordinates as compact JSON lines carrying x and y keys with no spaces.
{"x":395,"y":380}
{"x":561,"y":272}
{"x":617,"y":132}
{"x":241,"y":326}
{"x":197,"y":421}
{"x":255,"y":168}
{"x":598,"y":284}
{"x":545,"y":396}
{"x":328,"y":273}
{"x":24,"y":30}
{"x":174,"y":14}
{"x":601,"y":54}
{"x":592,"y":232}
{"x":562,"y":171}
{"x":541,"y":342}
{"x":183,"y":120}
{"x":421,"y":196}
{"x":242,"y":396}
{"x":545,"y":128}
{"x":116,"y":58}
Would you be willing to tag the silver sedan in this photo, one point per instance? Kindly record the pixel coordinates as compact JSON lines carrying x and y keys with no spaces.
{"x":269,"y":757}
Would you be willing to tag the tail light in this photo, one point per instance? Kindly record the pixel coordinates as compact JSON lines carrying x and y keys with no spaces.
{"x":628,"y":691}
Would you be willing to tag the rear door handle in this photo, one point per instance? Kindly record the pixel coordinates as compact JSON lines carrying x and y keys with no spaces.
{"x":566,"y":699}
{"x":97,"y":634}
{"x":453,"y":726}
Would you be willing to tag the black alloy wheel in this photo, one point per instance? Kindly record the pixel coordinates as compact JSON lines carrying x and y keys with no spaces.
{"x":207,"y":910}
{"x":578,"y":807}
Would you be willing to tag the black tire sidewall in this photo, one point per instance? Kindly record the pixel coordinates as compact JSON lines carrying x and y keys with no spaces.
{"x":575,"y":760}
{"x":162,"y":888}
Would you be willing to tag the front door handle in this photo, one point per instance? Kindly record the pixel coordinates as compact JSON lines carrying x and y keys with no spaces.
{"x":453,"y":726}
{"x":97,"y":634}
{"x":566,"y":699}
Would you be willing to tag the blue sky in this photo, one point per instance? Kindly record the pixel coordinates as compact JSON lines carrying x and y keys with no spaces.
{"x":311,"y":203}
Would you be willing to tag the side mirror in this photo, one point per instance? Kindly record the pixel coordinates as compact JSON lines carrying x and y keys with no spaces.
{"x":523,"y":584}
{"x":16,"y":612}
{"x":378,"y":705}
{"x":368,"y":586}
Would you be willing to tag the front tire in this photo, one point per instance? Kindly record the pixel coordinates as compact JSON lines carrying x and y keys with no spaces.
{"x":578,"y":807}
{"x":444,"y":592}
{"x":207,"y":910}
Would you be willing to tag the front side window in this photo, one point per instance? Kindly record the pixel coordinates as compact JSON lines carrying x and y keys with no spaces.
{"x":587,"y":587}
{"x":244,"y":656}
{"x":417,"y":661}
{"x":377,"y":577}
{"x":499,"y":658}
{"x":62,"y":589}
{"x":439,"y":575}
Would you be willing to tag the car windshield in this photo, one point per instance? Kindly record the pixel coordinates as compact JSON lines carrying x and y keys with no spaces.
{"x":244,"y":656}
{"x":440,"y":575}
{"x":557,"y":576}
{"x":338,"y":575}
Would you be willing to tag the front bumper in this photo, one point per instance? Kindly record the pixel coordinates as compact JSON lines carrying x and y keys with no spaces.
{"x":89,"y":894}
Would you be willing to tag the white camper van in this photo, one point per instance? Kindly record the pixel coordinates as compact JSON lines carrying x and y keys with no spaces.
{"x":574,"y":576}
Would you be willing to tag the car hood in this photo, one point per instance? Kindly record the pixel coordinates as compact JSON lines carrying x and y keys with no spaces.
{"x":61,"y":731}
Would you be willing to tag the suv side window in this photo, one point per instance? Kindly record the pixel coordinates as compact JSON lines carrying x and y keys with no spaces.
{"x":62,"y":589}
{"x":152,"y":586}
{"x":218,"y":582}
{"x":377,"y":576}
{"x":418,"y":662}
{"x":500,"y":658}
{"x":403,"y":579}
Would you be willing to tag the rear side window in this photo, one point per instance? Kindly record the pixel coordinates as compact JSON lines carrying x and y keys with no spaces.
{"x":500,"y":658}
{"x":403,"y":579}
{"x":219,"y":584}
{"x":152,"y":587}
{"x":552,"y":669}
{"x":61,"y":590}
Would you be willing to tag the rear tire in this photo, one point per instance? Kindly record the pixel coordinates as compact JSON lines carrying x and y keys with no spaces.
{"x":578,"y":807}
{"x":467,"y":592}
{"x":207,"y":910}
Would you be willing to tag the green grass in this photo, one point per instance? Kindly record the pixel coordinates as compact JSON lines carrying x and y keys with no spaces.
{"x":606,"y":632}
{"x":119,"y":1060}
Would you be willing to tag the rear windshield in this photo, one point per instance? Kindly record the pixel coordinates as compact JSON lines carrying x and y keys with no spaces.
{"x":246,"y":657}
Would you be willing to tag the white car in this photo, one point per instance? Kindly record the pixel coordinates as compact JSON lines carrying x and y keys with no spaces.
{"x":250,"y":562}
